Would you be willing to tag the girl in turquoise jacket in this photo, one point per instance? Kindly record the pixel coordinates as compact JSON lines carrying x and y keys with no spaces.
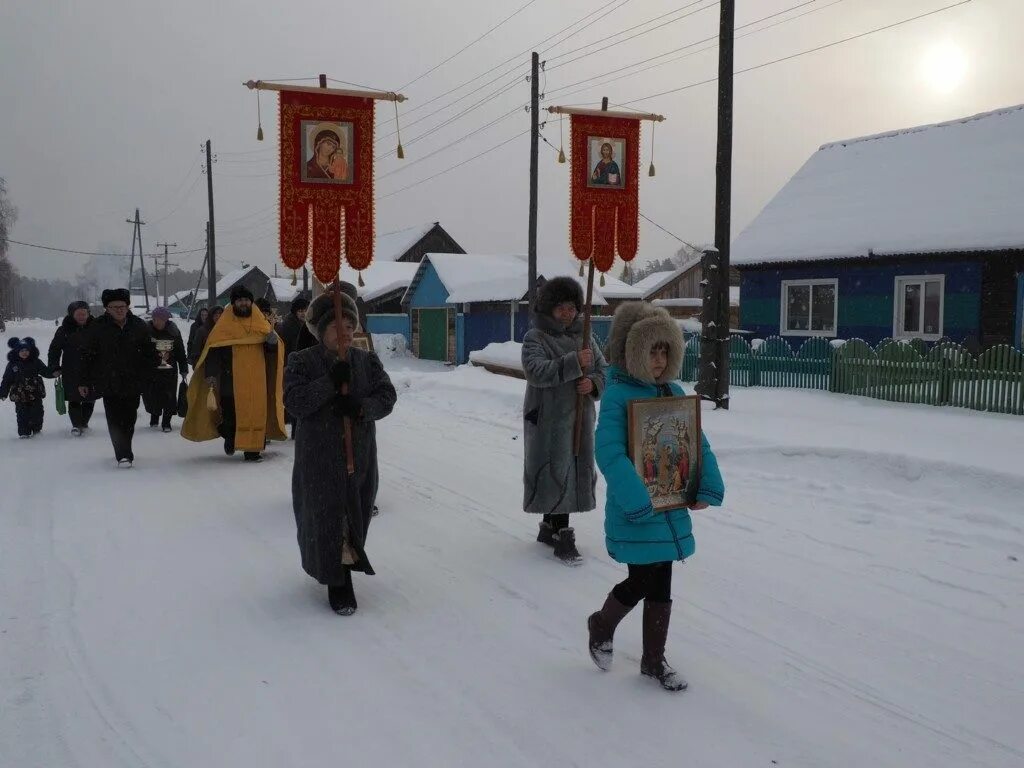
{"x":645,"y":349}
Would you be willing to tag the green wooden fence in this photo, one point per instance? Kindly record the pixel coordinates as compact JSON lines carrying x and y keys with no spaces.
{"x":946,"y":374}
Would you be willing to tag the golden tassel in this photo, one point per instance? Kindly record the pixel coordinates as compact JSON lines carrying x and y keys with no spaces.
{"x":561,"y":141}
{"x":295,"y":278}
{"x":602,"y":279}
{"x":398,"y":131}
{"x":650,"y":171}
{"x":360,"y":281}
{"x":259,"y":119}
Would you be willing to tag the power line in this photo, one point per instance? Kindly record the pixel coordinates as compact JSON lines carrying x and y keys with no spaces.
{"x":459,"y":165}
{"x":714,"y":46}
{"x":461,"y":139}
{"x":184,"y":200}
{"x":804,"y":53}
{"x":94,"y":253}
{"x":469,"y":45}
{"x":608,"y":45}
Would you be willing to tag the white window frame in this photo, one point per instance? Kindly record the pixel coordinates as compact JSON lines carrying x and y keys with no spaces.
{"x":897,"y":297}
{"x":784,"y":310}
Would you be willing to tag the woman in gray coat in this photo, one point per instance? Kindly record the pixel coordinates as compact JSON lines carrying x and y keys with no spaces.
{"x":558,"y":371}
{"x":332,"y":508}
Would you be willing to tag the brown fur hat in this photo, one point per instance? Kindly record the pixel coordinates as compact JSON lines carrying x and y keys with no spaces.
{"x":636,"y":328}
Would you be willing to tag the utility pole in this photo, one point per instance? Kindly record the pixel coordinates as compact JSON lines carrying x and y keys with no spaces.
{"x":534,"y":150}
{"x":165,"y":246}
{"x":715,"y":315}
{"x":137,"y":236}
{"x":317,"y":287}
{"x":211,"y":249}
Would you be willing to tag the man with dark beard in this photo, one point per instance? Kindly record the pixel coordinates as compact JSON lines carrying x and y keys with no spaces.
{"x":242,"y":364}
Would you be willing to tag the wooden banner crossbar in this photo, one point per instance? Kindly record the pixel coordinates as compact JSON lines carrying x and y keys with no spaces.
{"x":261,"y":85}
{"x":601,"y":113}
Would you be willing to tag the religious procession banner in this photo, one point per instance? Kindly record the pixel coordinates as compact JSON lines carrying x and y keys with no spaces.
{"x":604,"y":205}
{"x":326,"y":197}
{"x":326,"y":144}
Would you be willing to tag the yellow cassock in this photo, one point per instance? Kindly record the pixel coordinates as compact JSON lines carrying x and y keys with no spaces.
{"x":258,"y":384}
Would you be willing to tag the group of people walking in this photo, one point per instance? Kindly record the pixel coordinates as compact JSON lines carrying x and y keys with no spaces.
{"x":249,"y":378}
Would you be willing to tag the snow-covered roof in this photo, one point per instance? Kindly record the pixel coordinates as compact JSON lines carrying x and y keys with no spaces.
{"x":734,"y":300}
{"x":950,"y":187}
{"x":225,"y":283}
{"x":470,"y":277}
{"x":283,"y":288}
{"x":391,"y":246}
{"x":384,"y":277}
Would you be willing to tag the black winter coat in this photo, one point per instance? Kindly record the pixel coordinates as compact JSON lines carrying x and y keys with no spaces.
{"x":177,"y":357}
{"x":289,"y":330}
{"x":22,"y":380}
{"x":119,"y":362}
{"x":193,"y":332}
{"x":65,"y":354}
{"x":329,"y":504}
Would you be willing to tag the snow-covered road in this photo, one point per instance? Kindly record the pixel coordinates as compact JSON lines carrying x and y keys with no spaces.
{"x":859,"y":602}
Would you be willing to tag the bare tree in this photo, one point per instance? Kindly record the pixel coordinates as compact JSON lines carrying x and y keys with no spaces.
{"x":9,"y":298}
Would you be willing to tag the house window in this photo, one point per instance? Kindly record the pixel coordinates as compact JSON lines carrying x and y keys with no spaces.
{"x":918,"y":307}
{"x":809,"y":307}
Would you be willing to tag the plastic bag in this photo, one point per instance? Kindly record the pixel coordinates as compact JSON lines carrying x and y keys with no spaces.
{"x":58,"y":393}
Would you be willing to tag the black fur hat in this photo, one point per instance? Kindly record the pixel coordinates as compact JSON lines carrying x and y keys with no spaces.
{"x":321,"y":312}
{"x":299,"y":304}
{"x":555,"y":292}
{"x":240,"y":292}
{"x":17,"y":345}
{"x":110,"y":295}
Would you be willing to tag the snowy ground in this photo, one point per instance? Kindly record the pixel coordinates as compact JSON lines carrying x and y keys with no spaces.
{"x":859,"y":602}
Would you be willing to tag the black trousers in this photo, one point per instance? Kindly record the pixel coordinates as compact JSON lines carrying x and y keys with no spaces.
{"x":121,"y":415}
{"x":646,"y":582}
{"x":163,"y":398}
{"x":558,"y":522}
{"x":226,"y":428}
{"x":30,"y":416}
{"x":80,"y":413}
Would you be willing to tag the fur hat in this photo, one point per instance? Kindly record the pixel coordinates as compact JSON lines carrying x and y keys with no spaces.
{"x":299,"y":304}
{"x":17,"y":345}
{"x":636,"y":328}
{"x":110,"y":295}
{"x":74,"y":306}
{"x":555,"y":292}
{"x":321,"y":312}
{"x":265,"y":306}
{"x":240,"y":292}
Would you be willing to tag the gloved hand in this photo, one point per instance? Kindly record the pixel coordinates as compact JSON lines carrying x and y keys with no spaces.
{"x":340,"y":373}
{"x":270,"y":339}
{"x":347,"y":405}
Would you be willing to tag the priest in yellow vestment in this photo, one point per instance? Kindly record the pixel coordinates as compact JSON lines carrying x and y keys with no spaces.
{"x":242,"y":365}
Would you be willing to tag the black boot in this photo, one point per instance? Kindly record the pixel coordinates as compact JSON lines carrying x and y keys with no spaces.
{"x":602,"y":629}
{"x":252,"y":456}
{"x":546,"y":534}
{"x":653,"y":663}
{"x":565,"y":547}
{"x":342,"y":597}
{"x":229,"y":447}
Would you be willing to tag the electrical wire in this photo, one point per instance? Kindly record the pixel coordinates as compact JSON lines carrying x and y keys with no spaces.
{"x":688,"y":47}
{"x":469,"y":45}
{"x":184,"y":200}
{"x":806,"y":52}
{"x":458,"y":165}
{"x":96,"y":253}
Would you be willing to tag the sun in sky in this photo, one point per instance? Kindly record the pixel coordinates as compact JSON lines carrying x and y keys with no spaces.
{"x":944,"y":67}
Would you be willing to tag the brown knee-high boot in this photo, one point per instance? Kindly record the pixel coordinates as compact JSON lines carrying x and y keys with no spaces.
{"x":602,"y":629}
{"x":653,"y":663}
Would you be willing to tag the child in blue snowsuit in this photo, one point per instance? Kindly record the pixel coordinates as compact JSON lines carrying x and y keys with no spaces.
{"x":23,"y":383}
{"x":645,"y":350}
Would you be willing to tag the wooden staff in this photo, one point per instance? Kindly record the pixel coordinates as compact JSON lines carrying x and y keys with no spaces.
{"x":349,"y":455}
{"x":587,"y":311}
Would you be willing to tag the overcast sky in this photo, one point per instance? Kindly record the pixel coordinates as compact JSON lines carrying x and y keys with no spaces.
{"x":106,"y":104}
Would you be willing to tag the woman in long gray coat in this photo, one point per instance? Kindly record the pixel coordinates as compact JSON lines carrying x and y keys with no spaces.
{"x":558,"y":371}
{"x":332,"y":508}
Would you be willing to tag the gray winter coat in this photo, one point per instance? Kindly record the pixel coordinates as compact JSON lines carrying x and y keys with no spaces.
{"x":325,"y":499}
{"x":554,"y":481}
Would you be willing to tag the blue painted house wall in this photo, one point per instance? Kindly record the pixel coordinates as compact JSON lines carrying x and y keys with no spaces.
{"x":430,"y":291}
{"x":865,"y":296}
{"x":390,"y":324}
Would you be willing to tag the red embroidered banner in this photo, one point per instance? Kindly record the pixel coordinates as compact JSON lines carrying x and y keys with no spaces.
{"x":605,"y":189}
{"x":326,"y":181}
